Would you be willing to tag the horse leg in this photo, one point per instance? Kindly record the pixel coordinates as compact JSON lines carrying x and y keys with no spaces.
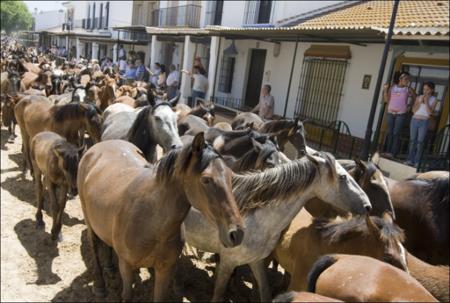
{"x":108,"y":258}
{"x":40,"y":197}
{"x":223,"y":273}
{"x":258,"y":269}
{"x":99,"y":283}
{"x":62,"y":199}
{"x":126,"y":272}
{"x":53,"y":203}
{"x":163,"y":277}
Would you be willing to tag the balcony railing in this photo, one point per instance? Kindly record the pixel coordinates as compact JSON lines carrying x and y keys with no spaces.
{"x":134,"y":36}
{"x":183,"y":16}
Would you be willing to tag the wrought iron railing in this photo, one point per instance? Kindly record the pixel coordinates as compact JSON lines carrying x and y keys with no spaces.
{"x":134,"y":36}
{"x":229,"y":102}
{"x":435,"y":155}
{"x":183,"y":16}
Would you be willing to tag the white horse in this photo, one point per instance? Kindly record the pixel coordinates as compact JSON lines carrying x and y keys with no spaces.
{"x":268,"y":202}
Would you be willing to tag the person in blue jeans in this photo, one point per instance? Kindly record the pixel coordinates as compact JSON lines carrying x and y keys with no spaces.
{"x":423,"y":108}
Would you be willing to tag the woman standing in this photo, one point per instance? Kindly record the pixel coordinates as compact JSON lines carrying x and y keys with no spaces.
{"x":200,"y":85}
{"x":423,"y":107}
{"x":397,"y":99}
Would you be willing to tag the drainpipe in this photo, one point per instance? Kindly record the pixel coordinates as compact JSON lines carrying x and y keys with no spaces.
{"x":290,"y":77}
{"x":368,"y":137}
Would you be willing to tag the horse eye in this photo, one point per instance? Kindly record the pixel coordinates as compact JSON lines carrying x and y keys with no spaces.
{"x":342,"y":177}
{"x":205,"y":180}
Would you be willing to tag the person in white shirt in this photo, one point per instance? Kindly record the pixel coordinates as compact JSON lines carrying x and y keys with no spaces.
{"x":154,"y":72}
{"x":122,"y":52}
{"x":172,"y":82}
{"x":122,"y":65}
{"x":200,"y":85}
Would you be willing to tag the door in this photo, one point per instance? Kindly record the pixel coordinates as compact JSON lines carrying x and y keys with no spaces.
{"x":265,"y":7}
{"x":255,"y":77}
{"x":218,"y":13}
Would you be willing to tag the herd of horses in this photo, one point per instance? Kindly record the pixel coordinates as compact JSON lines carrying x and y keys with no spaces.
{"x":154,"y":175}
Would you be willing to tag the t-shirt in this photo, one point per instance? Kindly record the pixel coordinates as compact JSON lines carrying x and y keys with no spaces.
{"x":200,"y":83}
{"x":131,"y":73}
{"x":172,"y":78}
{"x":266,"y":105}
{"x":122,"y":65}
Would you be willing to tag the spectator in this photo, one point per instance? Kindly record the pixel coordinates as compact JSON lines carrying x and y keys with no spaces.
{"x":122,"y":66}
{"x":266,"y":104}
{"x":162,"y":77}
{"x":155,"y":71}
{"x":141,"y":73}
{"x":423,"y":108}
{"x":200,"y":85}
{"x":198,"y":63}
{"x":172,"y":82}
{"x":130,"y":72}
{"x":122,"y":52}
{"x":397,"y":99}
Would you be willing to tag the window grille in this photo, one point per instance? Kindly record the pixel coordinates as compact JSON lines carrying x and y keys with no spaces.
{"x":320,"y":89}
{"x":226,"y":74}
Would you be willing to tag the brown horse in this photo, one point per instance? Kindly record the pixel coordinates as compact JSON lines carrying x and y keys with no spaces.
{"x":57,"y":161}
{"x":37,"y":115}
{"x":422,"y":208}
{"x":244,"y":119}
{"x":364,"y":279}
{"x":371,"y":180}
{"x":370,"y":236}
{"x":107,"y":93}
{"x":303,"y":296}
{"x":138,"y":208}
{"x":203,"y":109}
{"x":43,"y":80}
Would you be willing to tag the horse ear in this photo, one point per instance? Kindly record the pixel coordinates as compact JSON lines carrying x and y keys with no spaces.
{"x":387,"y":217}
{"x":274,"y":139}
{"x":256,"y":145}
{"x":174,"y":101}
{"x":201,"y":102}
{"x":198,"y":144}
{"x":371,"y":225}
{"x":250,"y":125}
{"x":360,"y":164}
{"x":376,"y":158}
{"x":312,"y":159}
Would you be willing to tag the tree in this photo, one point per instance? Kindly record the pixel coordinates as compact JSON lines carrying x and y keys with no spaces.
{"x":14,"y":16}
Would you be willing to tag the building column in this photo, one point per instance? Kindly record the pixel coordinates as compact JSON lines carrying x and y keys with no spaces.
{"x":78,"y":47}
{"x":213,"y":63}
{"x":94,"y":50}
{"x":155,"y":50}
{"x":67,"y":43}
{"x":148,"y":56}
{"x":114,"y":54}
{"x":188,"y":62}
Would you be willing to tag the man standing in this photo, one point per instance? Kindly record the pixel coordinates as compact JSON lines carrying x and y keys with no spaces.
{"x":172,"y":82}
{"x":266,"y":104}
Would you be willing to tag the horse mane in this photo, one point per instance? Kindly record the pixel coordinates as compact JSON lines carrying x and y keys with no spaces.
{"x":68,"y":111}
{"x":340,"y":229}
{"x":257,"y":190}
{"x":276,"y":125}
{"x":176,"y":161}
{"x":252,"y":157}
{"x":140,"y":134}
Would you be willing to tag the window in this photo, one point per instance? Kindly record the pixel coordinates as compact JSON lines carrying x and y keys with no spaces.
{"x":100,"y":22}
{"x":320,"y":90}
{"x":88,"y":19}
{"x":107,"y":15}
{"x":257,"y":11}
{"x":93,"y":18}
{"x":226,"y":74}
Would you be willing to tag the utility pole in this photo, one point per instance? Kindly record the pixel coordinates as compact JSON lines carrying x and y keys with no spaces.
{"x":376,"y":94}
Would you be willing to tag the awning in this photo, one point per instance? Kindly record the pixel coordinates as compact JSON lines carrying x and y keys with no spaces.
{"x":328,"y":51}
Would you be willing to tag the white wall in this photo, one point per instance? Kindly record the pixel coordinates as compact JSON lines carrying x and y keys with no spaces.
{"x":233,"y":13}
{"x":120,"y":13}
{"x":285,"y":9}
{"x":49,"y":19}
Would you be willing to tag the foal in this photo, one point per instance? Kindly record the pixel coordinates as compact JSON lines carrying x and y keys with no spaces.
{"x":137,"y":208}
{"x":57,"y":160}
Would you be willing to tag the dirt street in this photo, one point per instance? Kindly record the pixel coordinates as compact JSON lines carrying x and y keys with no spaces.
{"x":34,"y":268}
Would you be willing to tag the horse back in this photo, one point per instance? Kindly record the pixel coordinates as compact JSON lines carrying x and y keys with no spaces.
{"x":42,"y":155}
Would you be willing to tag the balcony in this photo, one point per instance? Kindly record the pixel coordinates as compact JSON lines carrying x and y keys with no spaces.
{"x":181,"y":16}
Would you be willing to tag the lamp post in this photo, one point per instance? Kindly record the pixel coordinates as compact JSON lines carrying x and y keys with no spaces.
{"x":368,"y":137}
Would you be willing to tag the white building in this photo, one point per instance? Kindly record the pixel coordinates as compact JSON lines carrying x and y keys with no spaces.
{"x":49,"y":19}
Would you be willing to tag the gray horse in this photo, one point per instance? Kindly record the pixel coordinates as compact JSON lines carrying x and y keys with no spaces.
{"x":268,"y":202}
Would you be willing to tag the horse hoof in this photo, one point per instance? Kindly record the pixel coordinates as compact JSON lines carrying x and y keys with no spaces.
{"x":40,"y":224}
{"x":99,"y":292}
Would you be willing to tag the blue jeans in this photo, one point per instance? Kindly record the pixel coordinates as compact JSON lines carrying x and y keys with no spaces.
{"x":418,"y":131}
{"x":395,"y":125}
{"x":197,"y":94}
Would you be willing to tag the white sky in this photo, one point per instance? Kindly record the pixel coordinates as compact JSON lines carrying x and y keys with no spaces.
{"x":43,"y":5}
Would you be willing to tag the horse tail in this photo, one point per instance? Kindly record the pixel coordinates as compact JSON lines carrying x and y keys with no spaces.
{"x":318,"y":267}
{"x":139,"y":133}
{"x":285,"y":297}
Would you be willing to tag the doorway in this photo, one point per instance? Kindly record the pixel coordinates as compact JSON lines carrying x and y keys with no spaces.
{"x":255,"y":77}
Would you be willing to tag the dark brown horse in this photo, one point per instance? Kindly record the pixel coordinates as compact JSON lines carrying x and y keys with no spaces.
{"x":376,"y":237}
{"x":363,"y":279}
{"x":303,"y":296}
{"x":56,"y":160}
{"x":137,"y":208}
{"x":422,"y":208}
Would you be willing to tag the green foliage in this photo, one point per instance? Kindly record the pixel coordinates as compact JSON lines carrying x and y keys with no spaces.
{"x":14,"y":16}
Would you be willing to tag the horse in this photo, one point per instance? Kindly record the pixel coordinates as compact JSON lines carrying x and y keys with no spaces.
{"x":57,"y":161}
{"x":434,"y":278}
{"x":38,"y":114}
{"x":223,"y":126}
{"x":116,"y":108}
{"x":371,"y":180}
{"x":373,"y":236}
{"x":137,"y":208}
{"x":422,"y":209}
{"x":268,"y":201}
{"x":191,"y":125}
{"x":363,"y":279}
{"x":9,"y":89}
{"x":43,"y":80}
{"x":150,"y":126}
{"x":204,"y":110}
{"x":302,"y":296}
{"x":244,"y":119}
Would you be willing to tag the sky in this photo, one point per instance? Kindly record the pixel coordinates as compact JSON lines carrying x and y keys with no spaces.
{"x":43,"y":5}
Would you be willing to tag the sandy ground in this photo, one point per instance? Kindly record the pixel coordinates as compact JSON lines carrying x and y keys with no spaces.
{"x":34,"y":268}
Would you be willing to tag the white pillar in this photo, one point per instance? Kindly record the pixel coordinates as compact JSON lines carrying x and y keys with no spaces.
{"x":78,"y":47}
{"x":188,"y":62}
{"x":114,"y":54}
{"x":67,"y":43}
{"x":148,"y":56}
{"x":155,"y":50}
{"x":94,"y":50}
{"x":213,"y":63}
